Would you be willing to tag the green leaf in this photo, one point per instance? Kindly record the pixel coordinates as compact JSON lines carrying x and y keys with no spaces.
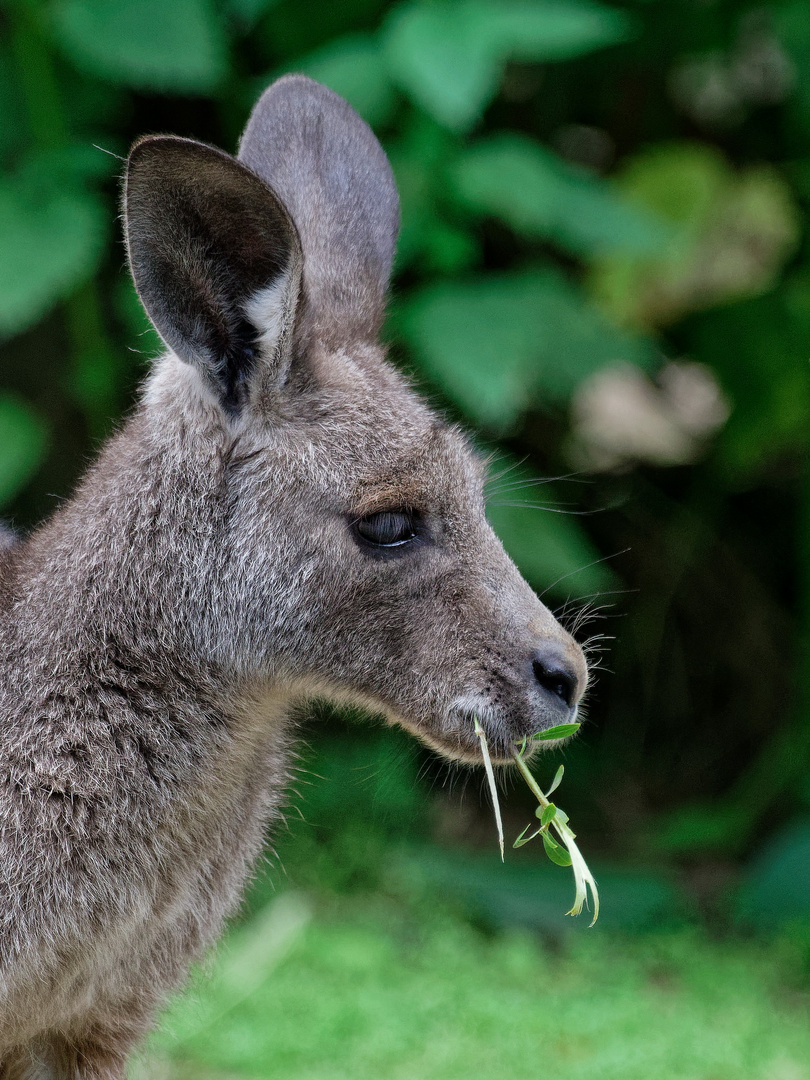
{"x":173,"y":46}
{"x":353,"y":67}
{"x":524,"y":839}
{"x":555,"y":851}
{"x":539,"y":195}
{"x":476,"y":340}
{"x":22,"y":444}
{"x":547,"y":813}
{"x":441,"y":55}
{"x":559,"y":731}
{"x":546,"y":30}
{"x":449,"y":55}
{"x":555,"y":783}
{"x":52,"y":233}
{"x":419,"y":159}
{"x":495,"y":344}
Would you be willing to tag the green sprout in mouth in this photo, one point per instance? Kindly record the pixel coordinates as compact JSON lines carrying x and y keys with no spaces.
{"x":550,"y":815}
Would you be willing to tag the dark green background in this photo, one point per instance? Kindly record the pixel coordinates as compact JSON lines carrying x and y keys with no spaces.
{"x":591,"y":194}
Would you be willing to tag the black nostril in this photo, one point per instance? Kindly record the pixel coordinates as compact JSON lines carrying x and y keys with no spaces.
{"x":556,"y":676}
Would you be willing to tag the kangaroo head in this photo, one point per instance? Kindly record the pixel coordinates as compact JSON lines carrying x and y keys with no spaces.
{"x":354,"y":560}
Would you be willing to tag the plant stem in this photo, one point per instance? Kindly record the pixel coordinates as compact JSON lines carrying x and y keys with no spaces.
{"x":530,"y":780}
{"x":583,"y":878}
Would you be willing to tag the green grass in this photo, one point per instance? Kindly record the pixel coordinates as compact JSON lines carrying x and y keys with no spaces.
{"x":366,"y":987}
{"x":392,"y":958}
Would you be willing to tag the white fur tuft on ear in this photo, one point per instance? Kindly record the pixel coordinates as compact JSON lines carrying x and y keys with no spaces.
{"x":271,"y":311}
{"x":217,"y":262}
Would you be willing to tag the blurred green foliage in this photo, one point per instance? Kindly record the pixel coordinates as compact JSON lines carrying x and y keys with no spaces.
{"x":603,"y":271}
{"x":350,"y":993}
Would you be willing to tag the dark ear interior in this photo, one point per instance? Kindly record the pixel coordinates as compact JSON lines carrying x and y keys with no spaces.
{"x":206,"y":236}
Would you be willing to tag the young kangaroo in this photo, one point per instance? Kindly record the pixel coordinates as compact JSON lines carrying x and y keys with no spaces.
{"x":280,"y":519}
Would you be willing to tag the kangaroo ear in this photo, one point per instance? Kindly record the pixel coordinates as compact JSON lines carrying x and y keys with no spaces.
{"x":216,"y":261}
{"x":334,"y":178}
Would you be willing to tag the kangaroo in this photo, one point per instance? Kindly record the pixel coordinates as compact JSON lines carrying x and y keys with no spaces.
{"x":280,"y":519}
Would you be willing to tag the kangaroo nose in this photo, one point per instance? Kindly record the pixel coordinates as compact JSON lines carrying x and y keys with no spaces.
{"x":556,"y":674}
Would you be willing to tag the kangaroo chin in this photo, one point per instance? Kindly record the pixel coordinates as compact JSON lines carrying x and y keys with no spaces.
{"x":280,"y":518}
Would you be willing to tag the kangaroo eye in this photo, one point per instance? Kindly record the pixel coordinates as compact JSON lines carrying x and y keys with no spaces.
{"x":387,"y":528}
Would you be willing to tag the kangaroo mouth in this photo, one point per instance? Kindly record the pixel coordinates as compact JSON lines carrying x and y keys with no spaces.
{"x":500,"y":743}
{"x":456,"y":738}
{"x":505,"y":735}
{"x":453,"y":736}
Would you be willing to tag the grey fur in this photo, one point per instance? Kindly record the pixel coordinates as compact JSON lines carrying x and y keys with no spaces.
{"x":159,"y":632}
{"x":330,"y":172}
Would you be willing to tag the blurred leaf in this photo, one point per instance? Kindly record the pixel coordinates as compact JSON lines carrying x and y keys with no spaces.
{"x":443,"y":56}
{"x":446,"y":249}
{"x":74,"y":165}
{"x":552,"y":550}
{"x":775,"y":887}
{"x":246,"y":13}
{"x":419,"y":158}
{"x":495,"y":344}
{"x":539,"y":195}
{"x":353,"y":67}
{"x":541,"y":30}
{"x":22,"y":444}
{"x":735,"y":230}
{"x":98,"y":369}
{"x":164,"y":45}
{"x":449,"y":55}
{"x":51,"y":238}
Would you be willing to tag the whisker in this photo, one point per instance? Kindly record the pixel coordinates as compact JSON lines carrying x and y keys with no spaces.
{"x":507,"y":468}
{"x":523,"y":504}
{"x":579,"y":569}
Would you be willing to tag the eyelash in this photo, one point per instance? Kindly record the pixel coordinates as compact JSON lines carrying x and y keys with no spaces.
{"x":388,"y":530}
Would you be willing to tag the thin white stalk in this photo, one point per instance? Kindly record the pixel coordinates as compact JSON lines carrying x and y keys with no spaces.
{"x":482,"y":738}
